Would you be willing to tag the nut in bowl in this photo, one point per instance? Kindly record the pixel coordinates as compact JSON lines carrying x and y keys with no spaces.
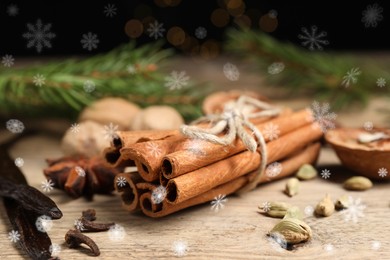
{"x":365,"y":152}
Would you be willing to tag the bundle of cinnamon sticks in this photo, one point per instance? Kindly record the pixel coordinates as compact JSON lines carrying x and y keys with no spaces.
{"x":187,"y":172}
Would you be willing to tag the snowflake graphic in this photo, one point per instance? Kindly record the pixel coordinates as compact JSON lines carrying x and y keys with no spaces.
{"x":276,"y":68}
{"x":277,"y":241}
{"x":78,"y":224}
{"x":321,"y":115}
{"x":12,"y":10}
{"x":218,"y":202}
{"x":15,"y":126}
{"x":351,"y":77}
{"x":7,"y":60}
{"x":231,"y":71}
{"x":121,"y":181}
{"x":368,"y":126}
{"x":75,"y":128}
{"x":176,"y":80}
{"x":200,"y":33}
{"x":372,"y":15}
{"x":271,"y":131}
{"x":14,"y":236}
{"x":156,"y":30}
{"x":266,"y":206}
{"x":55,"y":249}
{"x":110,"y":131}
{"x":159,"y":194}
{"x":110,"y":10}
{"x":312,"y":39}
{"x":381,"y":82}
{"x":116,"y":233}
{"x":89,"y":86}
{"x":80,"y":171}
{"x":154,"y":149}
{"x":39,"y":80}
{"x":325,"y":174}
{"x":196,"y":147}
{"x":309,"y":210}
{"x":273,"y":13}
{"x":180,"y":248}
{"x":375,"y":245}
{"x":47,"y":185}
{"x":44,"y":223}
{"x":89,"y":41}
{"x":354,"y":211}
{"x":273,"y":169}
{"x":19,"y":162}
{"x":39,"y":35}
{"x":382,"y":172}
{"x":131,"y":69}
{"x":329,"y":248}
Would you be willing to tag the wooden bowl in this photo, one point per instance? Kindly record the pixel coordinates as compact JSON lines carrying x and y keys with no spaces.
{"x":364,"y":158}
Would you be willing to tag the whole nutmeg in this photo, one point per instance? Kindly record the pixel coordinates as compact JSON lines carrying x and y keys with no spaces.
{"x":117,"y":111}
{"x":88,"y":141}
{"x":157,"y":118}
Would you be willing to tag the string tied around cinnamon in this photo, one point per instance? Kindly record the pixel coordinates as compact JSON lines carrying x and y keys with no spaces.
{"x":234,"y":120}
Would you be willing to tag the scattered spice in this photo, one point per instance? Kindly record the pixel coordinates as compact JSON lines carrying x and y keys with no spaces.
{"x":343,"y":202}
{"x":294,"y":212}
{"x":306,"y":172}
{"x":325,"y":207}
{"x":86,"y":224}
{"x":291,"y":230}
{"x":358,"y":183}
{"x":74,"y":238}
{"x":275,"y":209}
{"x":89,"y":214}
{"x":292,"y":187}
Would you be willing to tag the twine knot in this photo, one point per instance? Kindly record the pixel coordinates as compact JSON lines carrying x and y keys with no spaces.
{"x":234,"y":121}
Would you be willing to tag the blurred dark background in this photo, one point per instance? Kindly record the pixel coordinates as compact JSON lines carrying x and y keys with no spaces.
{"x":342,"y":20}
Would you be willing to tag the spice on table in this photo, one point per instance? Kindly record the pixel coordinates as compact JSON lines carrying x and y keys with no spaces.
{"x":343,"y":202}
{"x":292,"y":187}
{"x":358,"y":183}
{"x":75,"y":238}
{"x":306,"y":172}
{"x":89,"y":214}
{"x":294,"y":212}
{"x":275,"y":209}
{"x":325,"y":207}
{"x":291,"y":231}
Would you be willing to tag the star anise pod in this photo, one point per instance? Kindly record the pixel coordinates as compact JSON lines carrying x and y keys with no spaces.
{"x":81,"y":176}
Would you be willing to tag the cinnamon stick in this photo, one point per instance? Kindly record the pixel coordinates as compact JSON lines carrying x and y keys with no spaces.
{"x":203,"y":179}
{"x":187,"y":160}
{"x":289,"y":166}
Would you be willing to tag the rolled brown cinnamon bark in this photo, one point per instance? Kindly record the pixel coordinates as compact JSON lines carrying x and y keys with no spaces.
{"x":199,"y":153}
{"x":289,"y":166}
{"x":125,"y":185}
{"x":194,"y":183}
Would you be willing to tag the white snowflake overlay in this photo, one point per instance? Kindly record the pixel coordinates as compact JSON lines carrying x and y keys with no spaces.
{"x":116,"y":233}
{"x":329,"y":248}
{"x":368,"y":126}
{"x":7,"y":60}
{"x":276,"y":68}
{"x":15,"y":126}
{"x":382,"y":172}
{"x":176,"y":80}
{"x":266,"y":206}
{"x":110,"y":10}
{"x":218,"y":202}
{"x":351,"y":77}
{"x":273,"y":169}
{"x":110,"y":131}
{"x":354,"y":211}
{"x":180,"y":248}
{"x":271,"y":131}
{"x":321,"y":115}
{"x":39,"y":80}
{"x":80,"y":171}
{"x":231,"y":72}
{"x":309,"y":210}
{"x":381,"y":82}
{"x":78,"y":224}
{"x":14,"y":236}
{"x":121,"y":181}
{"x":312,"y":39}
{"x":19,"y":162}
{"x":75,"y":128}
{"x":47,"y":185}
{"x":159,"y":194}
{"x":200,"y":33}
{"x":277,"y":241}
{"x":154,"y":149}
{"x":12,"y":10}
{"x":89,"y":41}
{"x":55,"y":249}
{"x":89,"y":86}
{"x":39,"y":35}
{"x":156,"y":30}
{"x":375,"y":245}
{"x":325,"y":174}
{"x":273,"y":13}
{"x":44,"y":223}
{"x":372,"y":15}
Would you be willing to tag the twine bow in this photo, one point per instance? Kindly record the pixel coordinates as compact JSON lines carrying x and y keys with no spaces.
{"x":234,"y":121}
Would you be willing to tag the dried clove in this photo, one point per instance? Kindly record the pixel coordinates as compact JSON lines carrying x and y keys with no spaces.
{"x":86,"y":224}
{"x":89,"y":214}
{"x":75,"y":238}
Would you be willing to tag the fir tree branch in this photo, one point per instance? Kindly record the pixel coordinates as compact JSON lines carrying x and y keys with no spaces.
{"x":63,"y":93}
{"x":306,"y":72}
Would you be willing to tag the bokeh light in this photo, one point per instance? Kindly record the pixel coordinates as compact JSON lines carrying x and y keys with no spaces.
{"x":176,"y":36}
{"x":220,"y":17}
{"x":268,"y":23}
{"x":134,"y":28}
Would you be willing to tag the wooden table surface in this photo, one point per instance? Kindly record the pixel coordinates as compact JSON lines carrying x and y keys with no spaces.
{"x":237,"y":231}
